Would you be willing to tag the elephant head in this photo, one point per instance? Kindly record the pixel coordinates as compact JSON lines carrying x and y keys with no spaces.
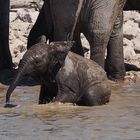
{"x":41,"y":60}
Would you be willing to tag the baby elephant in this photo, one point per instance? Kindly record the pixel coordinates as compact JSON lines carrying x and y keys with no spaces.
{"x":65,"y":76}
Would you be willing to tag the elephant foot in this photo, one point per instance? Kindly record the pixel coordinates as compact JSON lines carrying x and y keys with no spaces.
{"x":115,"y":71}
{"x":116,"y":77}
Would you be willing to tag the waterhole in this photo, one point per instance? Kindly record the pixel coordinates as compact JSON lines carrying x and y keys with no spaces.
{"x":117,"y":120}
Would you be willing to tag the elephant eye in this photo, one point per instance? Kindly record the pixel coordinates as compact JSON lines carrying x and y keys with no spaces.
{"x":37,"y":60}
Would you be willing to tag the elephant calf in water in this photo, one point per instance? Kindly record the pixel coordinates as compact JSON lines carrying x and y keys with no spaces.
{"x":65,"y":76}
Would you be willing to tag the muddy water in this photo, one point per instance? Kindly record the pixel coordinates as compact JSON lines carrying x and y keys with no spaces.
{"x":118,"y":120}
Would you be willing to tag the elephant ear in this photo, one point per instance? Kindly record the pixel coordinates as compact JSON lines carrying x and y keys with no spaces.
{"x":60,"y":49}
{"x":57,"y":52}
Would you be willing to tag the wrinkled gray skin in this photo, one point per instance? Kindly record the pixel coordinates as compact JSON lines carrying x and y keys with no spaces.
{"x":132,"y":5}
{"x":5,"y":55}
{"x":100,"y":21}
{"x":64,"y":75}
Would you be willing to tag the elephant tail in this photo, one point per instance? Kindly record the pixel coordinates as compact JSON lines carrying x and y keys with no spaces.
{"x":80,"y":5}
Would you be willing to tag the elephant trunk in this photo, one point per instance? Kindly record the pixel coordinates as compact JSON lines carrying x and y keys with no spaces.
{"x":20,"y":75}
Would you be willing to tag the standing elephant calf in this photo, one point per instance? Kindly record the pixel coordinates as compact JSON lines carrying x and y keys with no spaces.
{"x":66,"y":77}
{"x":100,"y":21}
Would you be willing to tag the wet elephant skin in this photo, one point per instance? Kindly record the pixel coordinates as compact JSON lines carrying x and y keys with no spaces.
{"x":66,"y":77}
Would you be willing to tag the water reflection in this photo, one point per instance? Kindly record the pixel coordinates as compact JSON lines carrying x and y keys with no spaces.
{"x":118,"y":120}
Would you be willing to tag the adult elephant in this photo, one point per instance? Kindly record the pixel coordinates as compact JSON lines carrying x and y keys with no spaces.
{"x":5,"y":55}
{"x":100,"y":21}
{"x":132,"y":5}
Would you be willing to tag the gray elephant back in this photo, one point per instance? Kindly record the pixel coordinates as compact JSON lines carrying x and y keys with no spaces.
{"x":88,"y":66}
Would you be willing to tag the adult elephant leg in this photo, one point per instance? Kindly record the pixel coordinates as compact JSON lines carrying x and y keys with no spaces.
{"x":103,"y":16}
{"x":5,"y":55}
{"x":115,"y":59}
{"x":42,"y":26}
{"x":97,"y":32}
